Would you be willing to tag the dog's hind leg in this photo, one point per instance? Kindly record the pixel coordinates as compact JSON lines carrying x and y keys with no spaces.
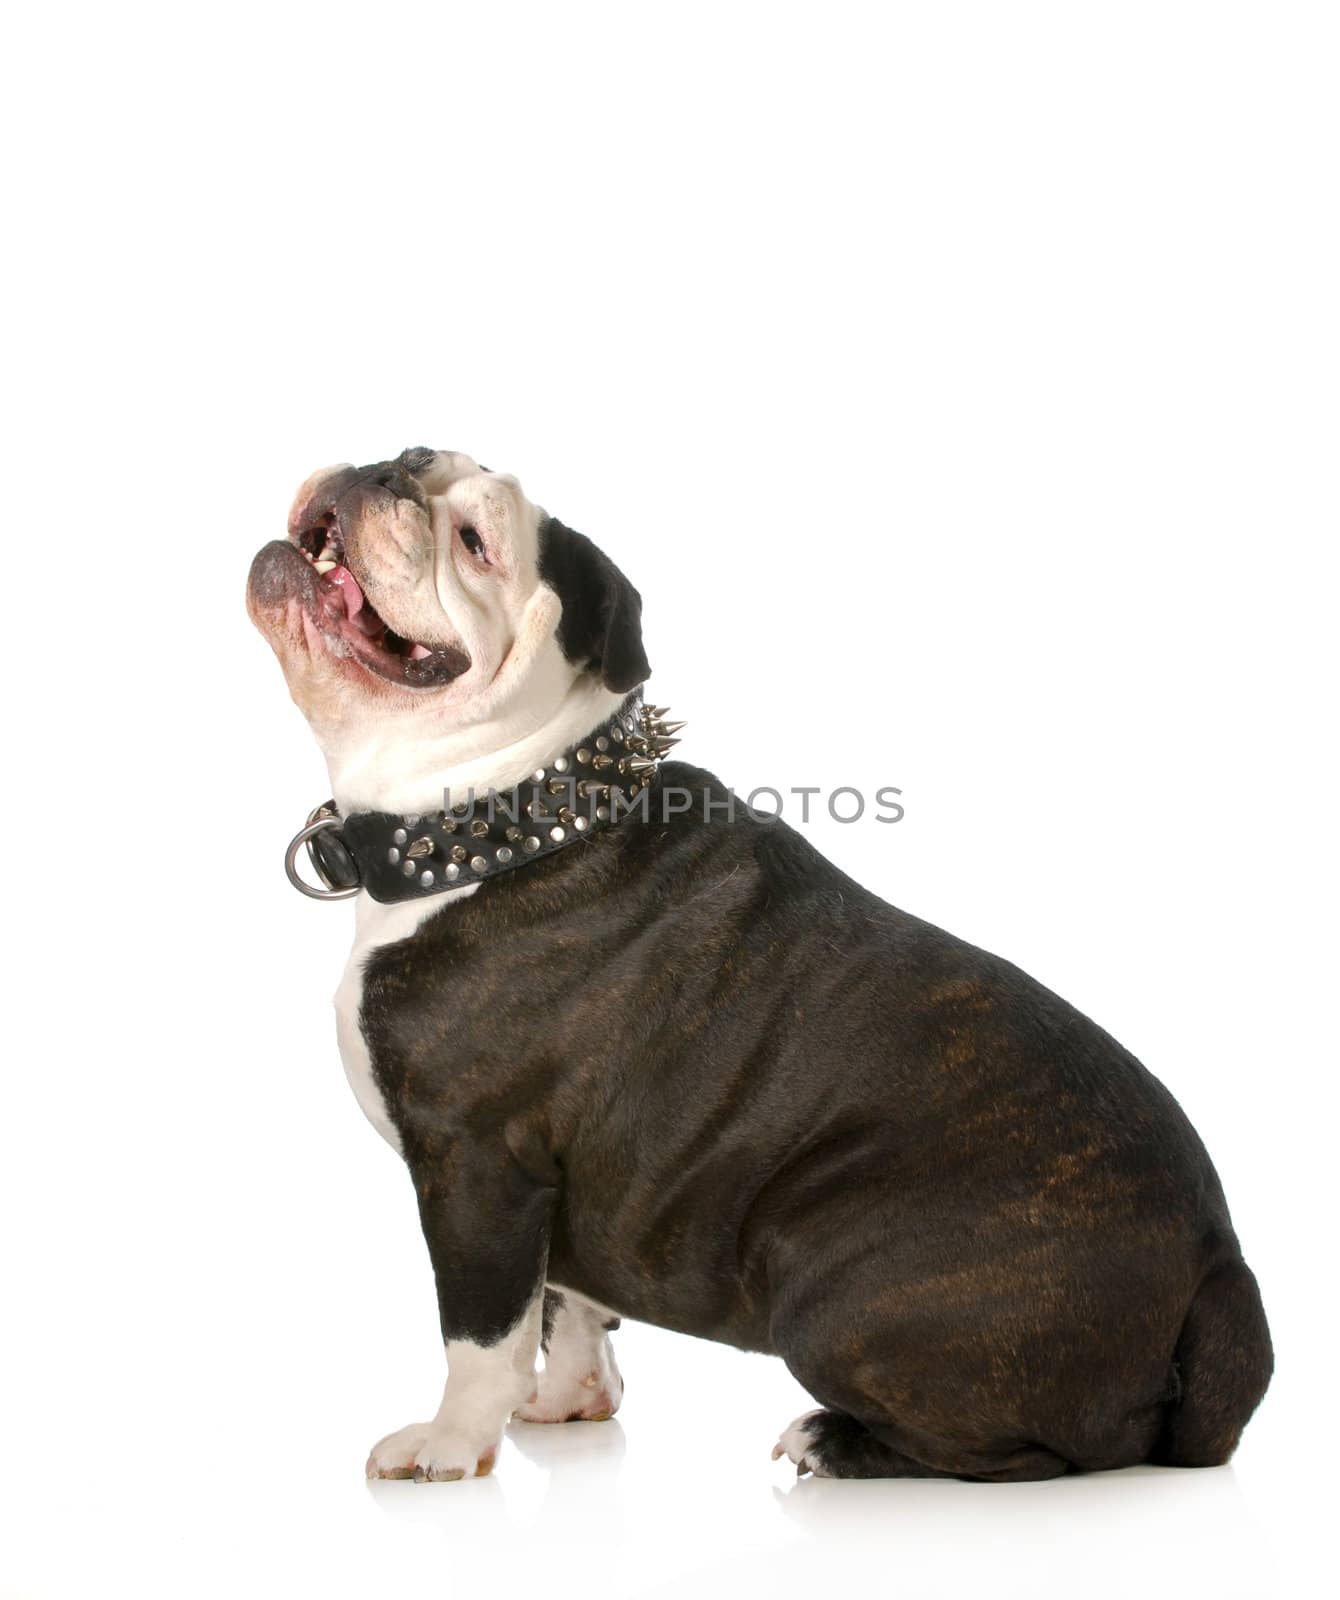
{"x":581,"y":1380}
{"x":834,"y":1444}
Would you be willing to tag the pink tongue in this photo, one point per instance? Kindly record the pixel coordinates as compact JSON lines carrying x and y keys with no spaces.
{"x":362,"y":617}
{"x":419,"y":653}
{"x":353,"y":595}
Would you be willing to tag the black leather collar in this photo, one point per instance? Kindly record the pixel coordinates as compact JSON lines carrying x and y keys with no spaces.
{"x":591,"y":785}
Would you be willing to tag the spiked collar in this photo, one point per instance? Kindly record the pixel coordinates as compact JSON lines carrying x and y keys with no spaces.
{"x":591,"y":785}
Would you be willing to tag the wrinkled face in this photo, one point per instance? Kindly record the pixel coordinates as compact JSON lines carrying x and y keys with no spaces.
{"x":424,"y":596}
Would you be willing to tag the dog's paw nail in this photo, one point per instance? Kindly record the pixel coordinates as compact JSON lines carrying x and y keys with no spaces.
{"x":778,"y":1451}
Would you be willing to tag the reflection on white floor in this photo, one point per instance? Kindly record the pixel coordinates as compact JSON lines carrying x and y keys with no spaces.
{"x":263,"y":1494}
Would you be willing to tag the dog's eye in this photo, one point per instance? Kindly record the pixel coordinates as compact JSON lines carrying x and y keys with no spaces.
{"x":472,"y":542}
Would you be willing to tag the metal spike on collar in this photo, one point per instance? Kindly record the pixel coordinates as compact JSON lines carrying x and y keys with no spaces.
{"x":657,"y":735}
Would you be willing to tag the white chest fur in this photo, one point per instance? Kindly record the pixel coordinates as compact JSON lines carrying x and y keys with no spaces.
{"x":376,"y":925}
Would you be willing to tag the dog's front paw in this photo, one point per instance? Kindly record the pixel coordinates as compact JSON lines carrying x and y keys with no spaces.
{"x":592,"y":1395}
{"x":432,"y":1453}
{"x":798,"y":1443}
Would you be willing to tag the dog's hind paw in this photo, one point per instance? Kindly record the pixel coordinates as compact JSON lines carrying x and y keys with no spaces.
{"x":798,"y":1444}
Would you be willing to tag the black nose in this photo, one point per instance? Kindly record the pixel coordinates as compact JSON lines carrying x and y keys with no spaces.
{"x":339,"y":503}
{"x":396,"y":477}
{"x":416,"y":460}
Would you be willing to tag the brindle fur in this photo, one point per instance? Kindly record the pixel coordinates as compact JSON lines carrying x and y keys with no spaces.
{"x":694,"y":1072}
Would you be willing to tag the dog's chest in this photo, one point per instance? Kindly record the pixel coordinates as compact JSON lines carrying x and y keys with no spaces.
{"x":376,"y":925}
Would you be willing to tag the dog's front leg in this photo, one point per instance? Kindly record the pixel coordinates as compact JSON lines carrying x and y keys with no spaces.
{"x":487,"y":1226}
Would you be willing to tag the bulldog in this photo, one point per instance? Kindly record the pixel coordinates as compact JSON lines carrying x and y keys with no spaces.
{"x":669,"y":1063}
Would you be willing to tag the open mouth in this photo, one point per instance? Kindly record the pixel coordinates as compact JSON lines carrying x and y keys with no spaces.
{"x":342,"y":608}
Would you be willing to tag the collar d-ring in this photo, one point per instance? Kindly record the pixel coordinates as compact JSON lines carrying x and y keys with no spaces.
{"x":318,"y":823}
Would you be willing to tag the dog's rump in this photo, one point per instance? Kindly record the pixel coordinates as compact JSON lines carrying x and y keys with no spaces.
{"x":1222,"y":1367}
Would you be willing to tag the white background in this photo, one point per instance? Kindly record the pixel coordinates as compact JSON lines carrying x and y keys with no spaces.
{"x":958,"y":383}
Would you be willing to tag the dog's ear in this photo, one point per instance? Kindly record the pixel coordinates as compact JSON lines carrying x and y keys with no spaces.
{"x":602,"y":612}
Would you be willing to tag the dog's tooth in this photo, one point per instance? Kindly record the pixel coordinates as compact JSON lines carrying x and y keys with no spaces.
{"x":323,"y":567}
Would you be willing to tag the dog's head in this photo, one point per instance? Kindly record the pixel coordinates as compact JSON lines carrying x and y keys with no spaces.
{"x":425,"y":614}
